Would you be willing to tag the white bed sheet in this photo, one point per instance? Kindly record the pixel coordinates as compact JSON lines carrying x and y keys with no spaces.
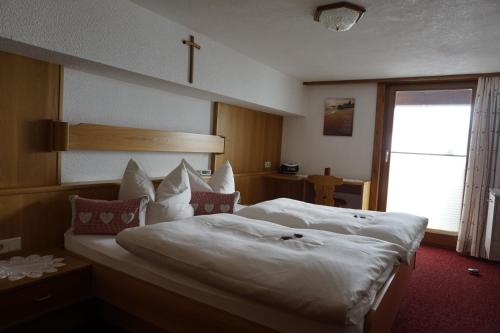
{"x":238,"y":207}
{"x":104,"y":250}
{"x":404,"y":230}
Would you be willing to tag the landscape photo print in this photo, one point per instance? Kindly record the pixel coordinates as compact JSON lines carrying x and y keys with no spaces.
{"x":339,"y":116}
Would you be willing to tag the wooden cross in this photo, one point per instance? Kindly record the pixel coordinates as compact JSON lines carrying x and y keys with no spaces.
{"x":192,"y":46}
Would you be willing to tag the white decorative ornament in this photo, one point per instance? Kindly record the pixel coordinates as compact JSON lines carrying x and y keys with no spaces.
{"x":209,"y":207}
{"x":85,"y":217}
{"x":32,"y":266}
{"x":225,"y":208}
{"x":106,"y":217}
{"x":127,"y":217}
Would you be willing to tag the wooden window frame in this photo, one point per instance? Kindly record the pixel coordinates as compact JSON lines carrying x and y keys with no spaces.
{"x":383,"y":129}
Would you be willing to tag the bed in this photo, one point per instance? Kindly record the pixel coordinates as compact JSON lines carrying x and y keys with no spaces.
{"x":164,"y":300}
{"x":169,"y":299}
{"x":405,"y":230}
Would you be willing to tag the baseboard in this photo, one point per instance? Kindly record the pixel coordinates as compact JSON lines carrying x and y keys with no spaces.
{"x":440,"y":239}
{"x":72,"y":318}
{"x":124,"y":320}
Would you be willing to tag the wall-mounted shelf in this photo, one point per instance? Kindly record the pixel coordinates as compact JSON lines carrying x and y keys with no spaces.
{"x":103,"y":137}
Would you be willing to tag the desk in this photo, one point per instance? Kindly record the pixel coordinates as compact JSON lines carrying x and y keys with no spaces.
{"x":355,"y":192}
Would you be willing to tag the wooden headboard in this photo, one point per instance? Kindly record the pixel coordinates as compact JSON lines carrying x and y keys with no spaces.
{"x":41,"y":215}
{"x":104,"y":137}
{"x":33,"y":203}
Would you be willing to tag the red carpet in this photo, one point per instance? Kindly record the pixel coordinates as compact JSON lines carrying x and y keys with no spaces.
{"x":443,"y":297}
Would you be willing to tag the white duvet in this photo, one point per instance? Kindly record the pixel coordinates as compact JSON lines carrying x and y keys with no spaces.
{"x":319,"y":275}
{"x":405,"y":230}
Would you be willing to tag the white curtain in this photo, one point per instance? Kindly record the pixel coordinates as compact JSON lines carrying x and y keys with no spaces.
{"x":483,"y":166}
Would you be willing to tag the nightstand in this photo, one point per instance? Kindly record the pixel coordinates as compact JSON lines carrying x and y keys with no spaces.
{"x":29,"y":298}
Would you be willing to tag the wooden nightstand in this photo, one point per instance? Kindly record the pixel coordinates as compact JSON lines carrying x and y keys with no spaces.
{"x":29,"y":298}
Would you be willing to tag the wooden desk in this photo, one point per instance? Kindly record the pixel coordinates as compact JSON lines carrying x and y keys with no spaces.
{"x":297,"y":187}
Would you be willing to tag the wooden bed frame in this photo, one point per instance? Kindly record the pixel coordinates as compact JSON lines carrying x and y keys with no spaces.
{"x":41,"y":215}
{"x":140,"y":306}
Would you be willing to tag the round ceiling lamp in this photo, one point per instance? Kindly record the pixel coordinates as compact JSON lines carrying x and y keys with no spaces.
{"x":339,"y":16}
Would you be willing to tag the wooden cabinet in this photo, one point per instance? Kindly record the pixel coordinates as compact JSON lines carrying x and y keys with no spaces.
{"x":29,"y":298}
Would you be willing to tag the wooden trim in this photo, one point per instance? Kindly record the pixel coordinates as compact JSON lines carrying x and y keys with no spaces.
{"x":439,"y":238}
{"x":383,"y":131}
{"x":162,"y":308}
{"x":381,"y":317}
{"x":60,"y":136}
{"x":172,"y":312}
{"x":104,"y":137}
{"x":365,"y":196}
{"x":377,"y":145}
{"x":215,"y":118}
{"x":60,"y":117}
{"x":410,"y":79}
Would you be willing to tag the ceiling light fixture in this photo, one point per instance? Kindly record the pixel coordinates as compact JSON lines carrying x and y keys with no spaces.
{"x":339,"y":16}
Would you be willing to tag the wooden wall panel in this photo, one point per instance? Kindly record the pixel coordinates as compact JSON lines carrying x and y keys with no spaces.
{"x":253,"y":187}
{"x":41,"y":215}
{"x":30,"y":92}
{"x":252,"y":137}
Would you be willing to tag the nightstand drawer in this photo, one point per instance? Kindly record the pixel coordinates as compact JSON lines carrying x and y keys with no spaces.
{"x":44,"y":295}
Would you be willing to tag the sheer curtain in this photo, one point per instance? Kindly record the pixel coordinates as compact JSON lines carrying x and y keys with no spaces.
{"x":483,"y":167}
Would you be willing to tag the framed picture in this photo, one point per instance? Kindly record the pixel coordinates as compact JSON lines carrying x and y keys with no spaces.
{"x":339,"y":116}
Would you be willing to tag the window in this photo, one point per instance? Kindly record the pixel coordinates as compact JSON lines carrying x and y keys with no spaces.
{"x":429,"y":154}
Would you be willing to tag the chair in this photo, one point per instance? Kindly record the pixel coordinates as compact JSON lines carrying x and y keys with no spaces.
{"x":324,"y":187}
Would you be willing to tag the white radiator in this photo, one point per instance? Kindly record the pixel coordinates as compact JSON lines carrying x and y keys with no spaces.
{"x":492,"y":240}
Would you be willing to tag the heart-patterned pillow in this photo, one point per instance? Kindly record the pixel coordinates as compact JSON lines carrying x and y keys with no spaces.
{"x":85,"y":217}
{"x":205,"y":203}
{"x":209,"y":207}
{"x":127,"y":217}
{"x":107,"y":217}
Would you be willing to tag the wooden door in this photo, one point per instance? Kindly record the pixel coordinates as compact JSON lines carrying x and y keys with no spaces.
{"x":384,"y":131}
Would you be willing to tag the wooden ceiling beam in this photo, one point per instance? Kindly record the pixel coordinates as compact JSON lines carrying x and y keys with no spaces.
{"x":415,"y":79}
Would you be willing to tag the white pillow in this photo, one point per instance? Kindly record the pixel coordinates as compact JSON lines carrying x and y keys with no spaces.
{"x":136,"y":183}
{"x":173,"y":198}
{"x":170,"y":201}
{"x":222,"y":181}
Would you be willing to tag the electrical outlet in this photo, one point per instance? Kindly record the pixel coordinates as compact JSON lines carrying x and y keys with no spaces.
{"x":267,"y":164}
{"x":10,"y":244}
{"x":205,"y":172}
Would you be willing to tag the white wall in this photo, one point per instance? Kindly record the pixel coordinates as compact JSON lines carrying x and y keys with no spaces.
{"x":125,"y":36}
{"x":349,"y":157}
{"x":99,"y":99}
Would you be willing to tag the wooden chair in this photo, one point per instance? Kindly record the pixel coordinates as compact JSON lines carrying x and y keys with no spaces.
{"x":324,"y":187}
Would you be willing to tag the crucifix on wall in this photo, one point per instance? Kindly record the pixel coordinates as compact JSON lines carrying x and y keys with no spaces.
{"x":192,"y":45}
